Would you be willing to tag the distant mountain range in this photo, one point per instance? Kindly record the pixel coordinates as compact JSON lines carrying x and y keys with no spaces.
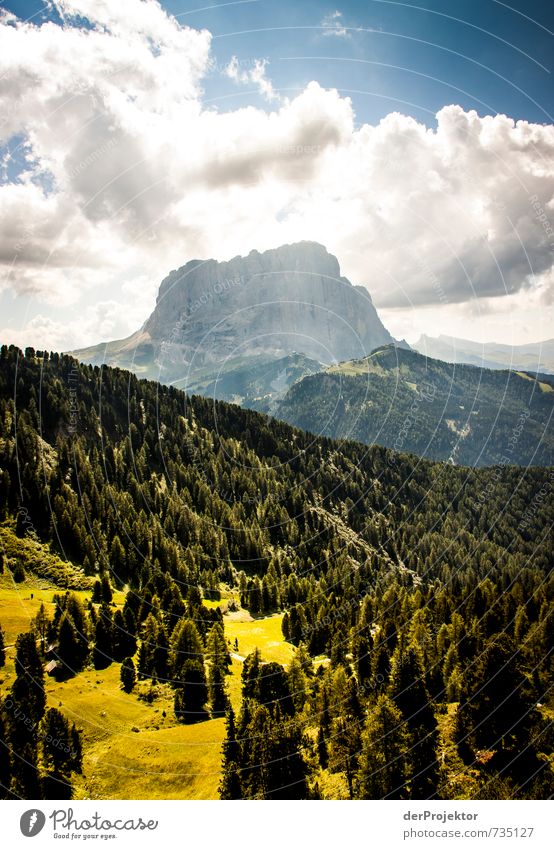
{"x":246,"y":329}
{"x":403,"y":400}
{"x":534,"y":357}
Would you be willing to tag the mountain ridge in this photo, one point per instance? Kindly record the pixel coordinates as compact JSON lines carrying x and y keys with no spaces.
{"x":533,"y":356}
{"x":404,"y":400}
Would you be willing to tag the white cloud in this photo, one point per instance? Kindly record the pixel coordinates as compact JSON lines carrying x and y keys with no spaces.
{"x":93,"y":106}
{"x":333,"y":25}
{"x":127,"y":175}
{"x":41,"y":332}
{"x":254,"y":74}
{"x":100,"y":322}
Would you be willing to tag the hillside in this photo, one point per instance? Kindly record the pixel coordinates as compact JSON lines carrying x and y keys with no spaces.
{"x":457,"y":413}
{"x":253,"y":382}
{"x":402,"y":588}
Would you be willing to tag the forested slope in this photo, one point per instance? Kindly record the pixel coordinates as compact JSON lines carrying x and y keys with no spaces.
{"x":424,"y":591}
{"x":443,"y":411}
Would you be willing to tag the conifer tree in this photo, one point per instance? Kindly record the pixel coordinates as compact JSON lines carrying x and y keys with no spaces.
{"x":5,"y":758}
{"x":185,"y":645}
{"x":71,"y":647}
{"x":230,"y":785}
{"x":384,"y":766}
{"x":408,"y":690}
{"x":27,"y":704}
{"x":344,"y":748}
{"x":217,"y":690}
{"x":41,"y":625}
{"x":103,"y":639}
{"x":128,"y":674}
{"x":124,"y":643}
{"x":217,"y":653}
{"x":250,"y":674}
{"x":58,"y":755}
{"x":191,"y":692}
{"x":498,"y":709}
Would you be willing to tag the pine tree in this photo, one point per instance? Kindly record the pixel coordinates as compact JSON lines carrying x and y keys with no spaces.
{"x":27,"y":702}
{"x":322,"y":751}
{"x":103,"y":639}
{"x":380,"y":667}
{"x":41,"y":625}
{"x":250,"y":674}
{"x":72,"y":649}
{"x":149,"y":641}
{"x":217,"y":653}
{"x":219,"y":699}
{"x":362,"y":656}
{"x":344,"y":748}
{"x":275,"y":767}
{"x":26,"y":782}
{"x":28,"y":687}
{"x":256,"y":770}
{"x":498,"y":709}
{"x":297,"y":683}
{"x":128,"y":674}
{"x":161,"y":654}
{"x":230,"y":784}
{"x":58,"y":755}
{"x":124,"y":643}
{"x":408,"y":690}
{"x":191,"y":694}
{"x":273,"y":689}
{"x":384,"y":764}
{"x":5,"y":758}
{"x":185,"y":645}
{"x":97,"y":592}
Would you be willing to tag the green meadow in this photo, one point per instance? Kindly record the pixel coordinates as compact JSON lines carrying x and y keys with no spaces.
{"x":133,"y":746}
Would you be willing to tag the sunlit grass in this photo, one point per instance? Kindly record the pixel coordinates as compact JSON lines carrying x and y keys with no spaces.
{"x":264,"y":634}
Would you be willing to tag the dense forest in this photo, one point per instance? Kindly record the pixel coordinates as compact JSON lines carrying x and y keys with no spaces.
{"x":443,"y":411}
{"x":411,"y":590}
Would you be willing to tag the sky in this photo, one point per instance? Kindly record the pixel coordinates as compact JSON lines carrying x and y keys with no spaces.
{"x":415,"y":140}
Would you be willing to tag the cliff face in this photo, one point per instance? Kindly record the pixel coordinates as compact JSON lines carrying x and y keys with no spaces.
{"x":292,"y":299}
{"x":211,"y":317}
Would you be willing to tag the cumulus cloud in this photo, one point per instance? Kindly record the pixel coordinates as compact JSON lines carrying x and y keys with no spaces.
{"x":92,"y":106}
{"x":102,"y":321}
{"x":124,"y":173}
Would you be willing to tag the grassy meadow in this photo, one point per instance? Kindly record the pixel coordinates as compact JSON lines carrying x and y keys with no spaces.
{"x":133,"y":747}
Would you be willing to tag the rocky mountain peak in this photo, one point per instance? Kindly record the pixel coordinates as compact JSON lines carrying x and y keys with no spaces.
{"x":291,"y":298}
{"x":211,"y":316}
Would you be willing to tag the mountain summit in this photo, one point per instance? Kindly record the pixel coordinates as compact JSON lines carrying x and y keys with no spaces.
{"x":289,"y":307}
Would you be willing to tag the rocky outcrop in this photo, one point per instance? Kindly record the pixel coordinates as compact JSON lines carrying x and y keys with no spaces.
{"x":210,"y":316}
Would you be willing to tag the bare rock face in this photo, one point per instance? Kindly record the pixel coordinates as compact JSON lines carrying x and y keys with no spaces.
{"x":211,"y":316}
{"x":292,"y":299}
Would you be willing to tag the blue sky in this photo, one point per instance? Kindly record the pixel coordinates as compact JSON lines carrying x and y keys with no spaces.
{"x":84,"y":246}
{"x":412,"y":56}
